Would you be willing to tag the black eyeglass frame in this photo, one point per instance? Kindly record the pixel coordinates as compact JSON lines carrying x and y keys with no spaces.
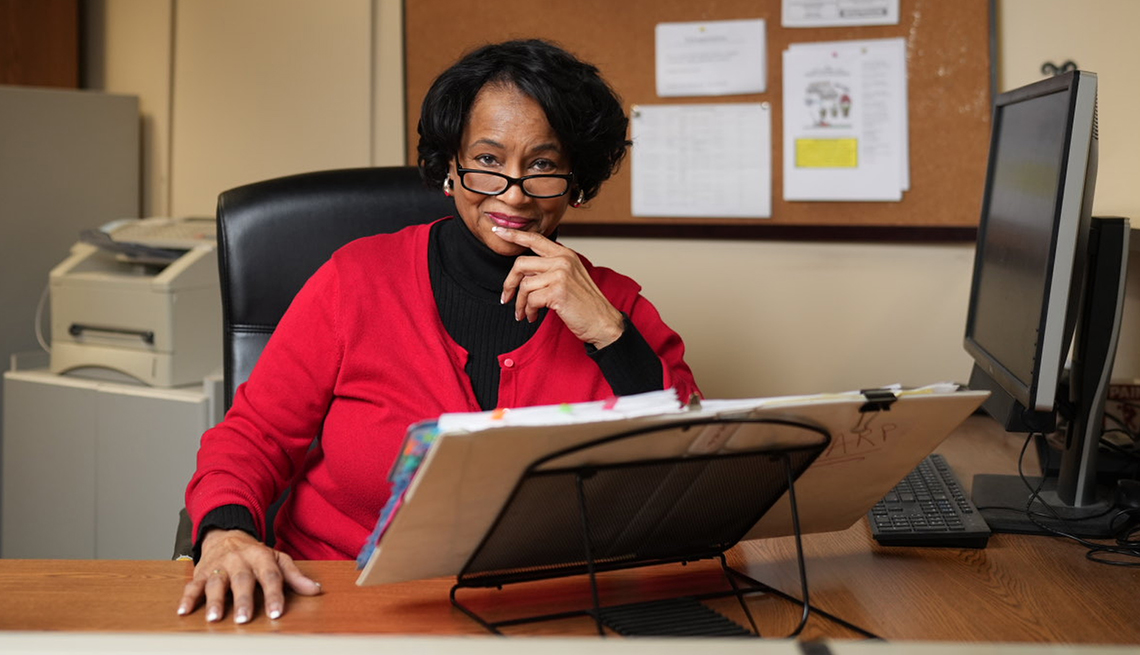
{"x":511,"y":181}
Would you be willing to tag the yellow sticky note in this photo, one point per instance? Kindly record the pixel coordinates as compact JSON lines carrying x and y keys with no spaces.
{"x":827,"y":153}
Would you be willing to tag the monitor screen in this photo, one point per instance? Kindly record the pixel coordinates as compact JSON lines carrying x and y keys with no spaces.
{"x":1012,"y":278}
{"x":1034,"y":228}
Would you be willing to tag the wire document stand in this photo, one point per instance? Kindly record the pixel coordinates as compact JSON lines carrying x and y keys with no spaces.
{"x":589,"y":509}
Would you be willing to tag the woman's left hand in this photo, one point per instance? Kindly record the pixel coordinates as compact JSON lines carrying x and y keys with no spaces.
{"x":556,"y":279}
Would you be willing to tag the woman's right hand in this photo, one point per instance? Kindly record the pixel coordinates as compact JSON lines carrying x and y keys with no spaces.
{"x":234,"y":561}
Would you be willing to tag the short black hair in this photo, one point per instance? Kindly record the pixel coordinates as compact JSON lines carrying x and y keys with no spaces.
{"x":581,"y":107}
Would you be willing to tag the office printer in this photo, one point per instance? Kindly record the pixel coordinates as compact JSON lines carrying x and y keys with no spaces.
{"x":140,"y":298}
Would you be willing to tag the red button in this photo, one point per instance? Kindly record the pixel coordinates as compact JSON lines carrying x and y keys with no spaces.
{"x":508,"y":362}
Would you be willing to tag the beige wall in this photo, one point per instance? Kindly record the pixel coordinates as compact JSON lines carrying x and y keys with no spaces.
{"x":254,"y":97}
{"x":1100,"y":36}
{"x":129,"y":51}
{"x":768,"y":318}
{"x":759,"y":317}
{"x":234,"y":91}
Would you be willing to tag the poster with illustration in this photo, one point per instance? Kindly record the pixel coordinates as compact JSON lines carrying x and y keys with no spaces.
{"x":844,"y":127}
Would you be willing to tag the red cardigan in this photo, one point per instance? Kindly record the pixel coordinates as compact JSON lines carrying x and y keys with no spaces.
{"x":359,"y":356}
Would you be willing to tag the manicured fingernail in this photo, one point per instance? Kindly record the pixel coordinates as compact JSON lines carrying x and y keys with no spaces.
{"x":183,"y":610}
{"x":242,"y":616}
{"x":503,"y":298}
{"x":275,"y":613}
{"x":213,"y":615}
{"x":496,"y":229}
{"x":319,"y":587}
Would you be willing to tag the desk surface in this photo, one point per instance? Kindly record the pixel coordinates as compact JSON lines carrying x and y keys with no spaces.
{"x":1018,"y":589}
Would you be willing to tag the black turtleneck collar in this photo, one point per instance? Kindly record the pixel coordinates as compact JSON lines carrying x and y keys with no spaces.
{"x":469,"y":262}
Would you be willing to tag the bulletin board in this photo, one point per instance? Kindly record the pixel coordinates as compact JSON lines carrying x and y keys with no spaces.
{"x":950,"y":87}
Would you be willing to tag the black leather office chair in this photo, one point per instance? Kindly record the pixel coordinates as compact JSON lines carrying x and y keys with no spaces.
{"x":273,"y":235}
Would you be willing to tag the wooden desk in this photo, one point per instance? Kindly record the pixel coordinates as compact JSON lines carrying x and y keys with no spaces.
{"x":1019,"y":589}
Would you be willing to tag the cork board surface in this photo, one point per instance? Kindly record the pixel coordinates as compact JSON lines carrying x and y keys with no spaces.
{"x":949,"y":91}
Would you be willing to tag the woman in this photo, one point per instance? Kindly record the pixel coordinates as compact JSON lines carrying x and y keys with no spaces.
{"x":480,"y":311}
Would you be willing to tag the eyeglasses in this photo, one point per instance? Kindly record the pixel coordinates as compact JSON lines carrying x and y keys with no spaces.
{"x":494,"y":184}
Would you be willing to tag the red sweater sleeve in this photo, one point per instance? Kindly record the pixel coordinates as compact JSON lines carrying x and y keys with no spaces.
{"x":668,"y":346}
{"x":625,"y":294}
{"x":255,"y":453}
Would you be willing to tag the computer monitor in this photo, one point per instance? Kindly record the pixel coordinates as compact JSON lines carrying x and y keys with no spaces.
{"x":1047,"y":275}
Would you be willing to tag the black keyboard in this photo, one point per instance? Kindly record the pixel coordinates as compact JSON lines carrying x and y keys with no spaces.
{"x":928,"y":508}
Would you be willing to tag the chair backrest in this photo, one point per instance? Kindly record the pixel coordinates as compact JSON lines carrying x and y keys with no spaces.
{"x":273,"y":235}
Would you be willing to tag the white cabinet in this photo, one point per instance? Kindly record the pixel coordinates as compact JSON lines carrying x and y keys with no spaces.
{"x":97,"y":469}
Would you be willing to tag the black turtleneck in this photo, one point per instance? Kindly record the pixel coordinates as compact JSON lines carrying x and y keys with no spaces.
{"x":467,"y":281}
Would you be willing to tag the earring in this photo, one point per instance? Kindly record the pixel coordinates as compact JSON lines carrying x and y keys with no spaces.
{"x":447,"y":186}
{"x":577,"y":202}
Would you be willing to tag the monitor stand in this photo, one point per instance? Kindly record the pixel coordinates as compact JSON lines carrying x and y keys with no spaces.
{"x":1002,"y":500}
{"x":1084,"y":508}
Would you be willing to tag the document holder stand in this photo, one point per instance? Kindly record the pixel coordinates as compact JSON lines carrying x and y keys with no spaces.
{"x":590,"y":508}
